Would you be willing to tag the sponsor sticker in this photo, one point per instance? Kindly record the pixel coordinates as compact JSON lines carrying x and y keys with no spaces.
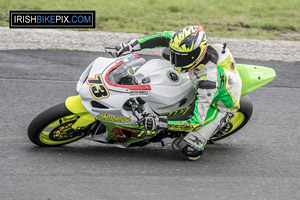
{"x":113,"y":118}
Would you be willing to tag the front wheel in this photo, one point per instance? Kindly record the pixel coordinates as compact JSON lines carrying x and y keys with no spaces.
{"x":237,"y":122}
{"x":53,"y":127}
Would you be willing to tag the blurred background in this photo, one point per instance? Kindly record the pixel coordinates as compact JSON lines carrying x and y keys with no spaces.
{"x":267,"y":19}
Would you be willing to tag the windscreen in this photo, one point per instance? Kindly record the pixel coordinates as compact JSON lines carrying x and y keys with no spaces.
{"x":124,"y":74}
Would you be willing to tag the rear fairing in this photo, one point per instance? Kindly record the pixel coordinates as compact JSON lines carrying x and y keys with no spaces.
{"x":254,"y":77}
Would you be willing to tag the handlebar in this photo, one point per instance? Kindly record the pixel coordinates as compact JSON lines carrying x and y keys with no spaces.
{"x":112,"y":52}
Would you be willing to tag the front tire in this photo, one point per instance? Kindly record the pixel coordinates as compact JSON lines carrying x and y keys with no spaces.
{"x":53,"y":127}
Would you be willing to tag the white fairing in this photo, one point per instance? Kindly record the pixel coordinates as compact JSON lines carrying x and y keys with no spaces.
{"x":165,"y":96}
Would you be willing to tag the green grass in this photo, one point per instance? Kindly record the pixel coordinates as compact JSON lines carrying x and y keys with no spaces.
{"x":262,"y":19}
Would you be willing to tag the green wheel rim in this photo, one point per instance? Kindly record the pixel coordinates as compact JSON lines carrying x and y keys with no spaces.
{"x":56,"y":132}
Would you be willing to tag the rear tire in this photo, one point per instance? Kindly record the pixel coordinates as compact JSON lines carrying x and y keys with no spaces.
{"x":53,"y":127}
{"x":237,"y":122}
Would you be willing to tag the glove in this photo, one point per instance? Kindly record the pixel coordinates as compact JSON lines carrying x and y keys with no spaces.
{"x":153,"y":123}
{"x":127,"y":48}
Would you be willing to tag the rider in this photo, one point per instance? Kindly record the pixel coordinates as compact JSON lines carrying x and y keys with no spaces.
{"x":212,"y":70}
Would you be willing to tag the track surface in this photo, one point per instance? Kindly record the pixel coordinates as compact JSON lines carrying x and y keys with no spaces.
{"x":260,"y":162}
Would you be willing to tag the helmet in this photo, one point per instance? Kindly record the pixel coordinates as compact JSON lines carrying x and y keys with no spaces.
{"x":187,"y":48}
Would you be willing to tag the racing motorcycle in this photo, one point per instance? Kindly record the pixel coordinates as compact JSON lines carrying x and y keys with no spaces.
{"x":115,"y":95}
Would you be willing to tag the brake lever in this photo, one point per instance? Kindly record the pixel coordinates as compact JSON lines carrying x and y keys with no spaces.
{"x":140,"y":121}
{"x":133,"y":109}
{"x":143,"y":119}
{"x":111,"y":51}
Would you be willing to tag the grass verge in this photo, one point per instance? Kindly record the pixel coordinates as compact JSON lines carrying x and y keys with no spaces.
{"x":267,"y":19}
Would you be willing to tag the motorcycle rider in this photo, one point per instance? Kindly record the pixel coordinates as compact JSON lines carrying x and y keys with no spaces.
{"x":212,"y":71}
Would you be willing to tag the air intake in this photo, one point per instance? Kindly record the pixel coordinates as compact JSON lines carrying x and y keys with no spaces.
{"x":96,"y":104}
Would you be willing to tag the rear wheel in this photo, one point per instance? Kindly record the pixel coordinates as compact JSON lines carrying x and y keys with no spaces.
{"x":53,"y":127}
{"x":237,"y":122}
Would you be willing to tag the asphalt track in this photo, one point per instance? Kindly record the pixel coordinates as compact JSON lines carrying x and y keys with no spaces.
{"x":260,"y":162}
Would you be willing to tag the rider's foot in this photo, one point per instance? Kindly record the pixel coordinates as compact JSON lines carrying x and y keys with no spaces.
{"x":192,"y":145}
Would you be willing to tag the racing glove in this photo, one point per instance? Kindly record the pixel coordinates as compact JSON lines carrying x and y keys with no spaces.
{"x":153,"y":123}
{"x":127,"y":48}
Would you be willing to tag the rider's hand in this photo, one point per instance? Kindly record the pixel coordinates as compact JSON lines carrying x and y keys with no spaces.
{"x":127,"y":48}
{"x":153,"y":123}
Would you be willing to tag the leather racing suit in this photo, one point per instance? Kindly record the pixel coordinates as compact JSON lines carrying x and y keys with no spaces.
{"x":218,"y":86}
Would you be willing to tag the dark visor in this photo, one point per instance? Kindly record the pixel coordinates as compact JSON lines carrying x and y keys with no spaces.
{"x":184,"y":59}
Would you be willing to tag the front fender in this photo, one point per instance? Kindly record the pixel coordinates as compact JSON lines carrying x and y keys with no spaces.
{"x":74,"y":105}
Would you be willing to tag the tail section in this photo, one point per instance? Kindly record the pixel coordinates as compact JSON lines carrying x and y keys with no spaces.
{"x":254,"y":77}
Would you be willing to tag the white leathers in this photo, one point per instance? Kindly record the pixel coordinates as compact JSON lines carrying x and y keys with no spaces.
{"x":219,"y":88}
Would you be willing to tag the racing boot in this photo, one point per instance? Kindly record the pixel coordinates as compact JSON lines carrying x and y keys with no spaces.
{"x":176,"y":142}
{"x":192,"y":145}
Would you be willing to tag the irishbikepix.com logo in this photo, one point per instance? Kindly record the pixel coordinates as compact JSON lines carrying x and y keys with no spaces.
{"x":52,"y":19}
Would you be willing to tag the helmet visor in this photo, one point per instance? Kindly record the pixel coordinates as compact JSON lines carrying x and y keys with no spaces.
{"x":184,"y":59}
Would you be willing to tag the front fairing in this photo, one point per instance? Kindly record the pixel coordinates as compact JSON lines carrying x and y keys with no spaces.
{"x":156,"y":82}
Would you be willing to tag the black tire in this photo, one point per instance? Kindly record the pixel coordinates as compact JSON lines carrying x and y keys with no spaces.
{"x":46,"y":118}
{"x":246,"y":109}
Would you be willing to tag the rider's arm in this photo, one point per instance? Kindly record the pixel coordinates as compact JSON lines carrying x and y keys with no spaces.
{"x":154,"y":41}
{"x":157,"y":40}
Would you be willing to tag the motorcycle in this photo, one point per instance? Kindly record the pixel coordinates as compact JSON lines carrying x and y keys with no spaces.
{"x":115,"y":95}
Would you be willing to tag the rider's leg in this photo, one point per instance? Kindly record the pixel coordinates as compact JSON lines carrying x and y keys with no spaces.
{"x":193,"y":143}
